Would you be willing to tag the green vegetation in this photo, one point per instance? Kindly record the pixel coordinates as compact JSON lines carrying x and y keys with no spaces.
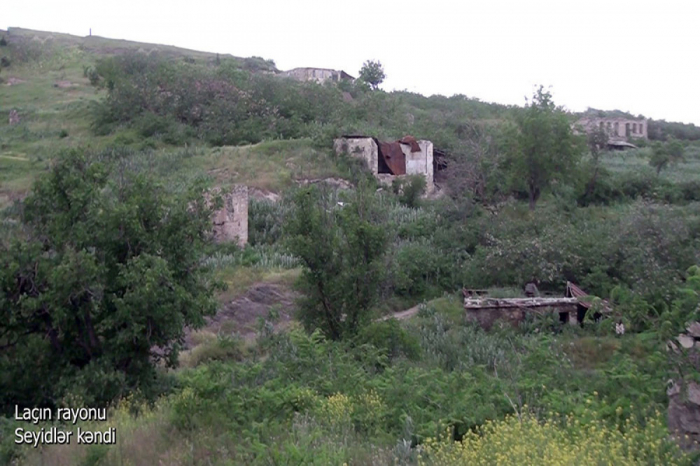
{"x":544,"y":150}
{"x":372,"y":72}
{"x":98,"y":280}
{"x":107,"y":269}
{"x":341,"y":250}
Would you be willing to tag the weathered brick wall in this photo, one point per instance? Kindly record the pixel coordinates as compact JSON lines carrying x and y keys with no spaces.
{"x":231,"y":221}
{"x":361,"y":148}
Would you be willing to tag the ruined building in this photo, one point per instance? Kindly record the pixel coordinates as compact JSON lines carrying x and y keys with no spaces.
{"x":231,"y":221}
{"x":388,"y":160}
{"x":620,"y":131}
{"x":319,"y":75}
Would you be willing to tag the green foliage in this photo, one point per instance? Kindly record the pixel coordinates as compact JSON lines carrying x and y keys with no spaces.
{"x":341,"y":248}
{"x":643,"y":246}
{"x":390,"y":337}
{"x":108,"y":271}
{"x":372,"y":72}
{"x":409,"y":189}
{"x":665,"y":154}
{"x":580,"y":438}
{"x":661,"y":130}
{"x":543,"y":149}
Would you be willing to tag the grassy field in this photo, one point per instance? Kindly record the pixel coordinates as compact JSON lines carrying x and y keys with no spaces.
{"x":45,"y":84}
{"x":638,"y":160}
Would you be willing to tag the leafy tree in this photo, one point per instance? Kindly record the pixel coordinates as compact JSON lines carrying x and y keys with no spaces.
{"x":372,"y":72}
{"x":101,"y":286}
{"x":543,"y":147}
{"x":666,"y":154}
{"x":341,"y":246}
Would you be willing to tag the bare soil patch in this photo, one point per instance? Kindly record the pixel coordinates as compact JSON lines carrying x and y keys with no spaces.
{"x":242,"y":314}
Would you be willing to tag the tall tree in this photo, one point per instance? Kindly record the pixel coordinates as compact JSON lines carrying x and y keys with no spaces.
{"x":372,"y":72}
{"x":101,"y":286}
{"x":665,"y":154}
{"x":543,"y":147}
{"x":341,"y":246}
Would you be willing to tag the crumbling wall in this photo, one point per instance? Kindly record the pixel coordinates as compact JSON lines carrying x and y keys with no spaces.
{"x":420,"y":163}
{"x":487,"y":317}
{"x":231,"y":221}
{"x":362,"y":148}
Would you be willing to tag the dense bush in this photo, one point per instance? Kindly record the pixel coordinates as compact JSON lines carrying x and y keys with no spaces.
{"x":645,"y":246}
{"x":524,"y":439}
{"x":100,"y":286}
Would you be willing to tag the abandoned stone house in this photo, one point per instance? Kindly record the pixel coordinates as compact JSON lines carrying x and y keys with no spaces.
{"x":572,"y":307}
{"x":388,"y":160}
{"x":319,"y":75}
{"x":620,"y":131}
{"x":231,"y":221}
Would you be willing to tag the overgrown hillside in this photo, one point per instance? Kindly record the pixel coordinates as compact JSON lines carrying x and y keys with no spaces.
{"x":290,"y":350}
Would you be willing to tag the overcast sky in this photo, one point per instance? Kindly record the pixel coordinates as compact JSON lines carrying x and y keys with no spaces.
{"x":639,"y":56}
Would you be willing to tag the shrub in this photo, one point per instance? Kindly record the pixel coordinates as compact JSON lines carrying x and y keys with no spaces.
{"x":215,"y":348}
{"x":390,"y":337}
{"x":118,"y":268}
{"x":576,"y":440}
{"x":409,"y":189}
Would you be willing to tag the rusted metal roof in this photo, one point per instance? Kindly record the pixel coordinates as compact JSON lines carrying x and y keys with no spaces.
{"x":573,"y":291}
{"x":393,"y":156}
{"x":411,"y":141}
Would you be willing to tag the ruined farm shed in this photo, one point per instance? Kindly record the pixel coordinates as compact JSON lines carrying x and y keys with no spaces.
{"x":387,"y":160}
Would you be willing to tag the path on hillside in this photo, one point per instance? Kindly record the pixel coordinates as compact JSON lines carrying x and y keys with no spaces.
{"x":402,"y":315}
{"x":12,"y":157}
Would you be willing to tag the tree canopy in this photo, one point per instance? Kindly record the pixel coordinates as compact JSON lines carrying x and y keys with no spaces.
{"x":341,"y":246}
{"x":372,"y":72}
{"x":542,"y":148}
{"x":102,"y":284}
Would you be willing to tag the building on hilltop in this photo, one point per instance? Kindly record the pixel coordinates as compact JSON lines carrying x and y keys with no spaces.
{"x":620,"y":131}
{"x":319,"y":75}
{"x":388,"y":160}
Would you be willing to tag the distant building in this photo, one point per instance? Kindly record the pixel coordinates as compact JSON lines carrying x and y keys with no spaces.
{"x":320,"y":75}
{"x":619,"y":130}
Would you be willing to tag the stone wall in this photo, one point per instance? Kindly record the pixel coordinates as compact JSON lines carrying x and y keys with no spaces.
{"x":421,"y":163}
{"x":487,"y":317}
{"x":319,"y":75}
{"x":362,"y":148}
{"x":231,"y":221}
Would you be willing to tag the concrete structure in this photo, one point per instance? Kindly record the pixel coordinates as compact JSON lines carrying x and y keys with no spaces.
{"x":417,"y":157}
{"x":487,"y":311}
{"x":618,"y":129}
{"x":572,"y":308}
{"x":319,"y":75}
{"x":231,"y":221}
